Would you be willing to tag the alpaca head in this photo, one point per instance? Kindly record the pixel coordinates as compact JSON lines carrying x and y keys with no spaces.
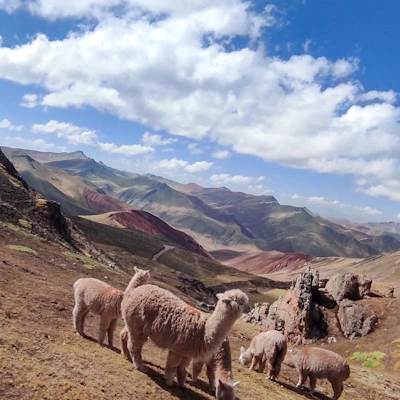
{"x":233,"y":301}
{"x":224,"y":391}
{"x":141,"y":276}
{"x":245,"y":356}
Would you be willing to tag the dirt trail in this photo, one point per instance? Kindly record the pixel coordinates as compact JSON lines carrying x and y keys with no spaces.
{"x":162,"y":251}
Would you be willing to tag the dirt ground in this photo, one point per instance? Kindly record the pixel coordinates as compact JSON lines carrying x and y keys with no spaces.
{"x":41,"y":357}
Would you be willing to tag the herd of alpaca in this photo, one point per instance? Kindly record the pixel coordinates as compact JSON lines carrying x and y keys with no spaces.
{"x":149,"y":311}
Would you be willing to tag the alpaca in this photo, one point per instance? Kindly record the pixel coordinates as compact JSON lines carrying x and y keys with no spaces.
{"x":219,"y":369}
{"x":319,"y":363}
{"x":104,"y":300}
{"x":268,"y":346}
{"x":150,"y":311}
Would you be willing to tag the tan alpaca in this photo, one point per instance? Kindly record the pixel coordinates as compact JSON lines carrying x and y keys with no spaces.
{"x":152,"y":312}
{"x":102,"y":299}
{"x":265,"y":347}
{"x":317,"y":363}
{"x":219,"y":372}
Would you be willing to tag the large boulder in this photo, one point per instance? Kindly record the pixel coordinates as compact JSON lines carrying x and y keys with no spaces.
{"x":296,"y":314}
{"x":355,"y":319}
{"x":348,"y":286}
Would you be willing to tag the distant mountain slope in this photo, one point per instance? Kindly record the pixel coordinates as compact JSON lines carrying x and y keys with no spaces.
{"x":217,"y":218}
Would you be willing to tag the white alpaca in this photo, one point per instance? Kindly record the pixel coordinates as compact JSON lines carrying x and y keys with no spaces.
{"x":102,"y":299}
{"x":152,"y":312}
{"x":265,"y":347}
{"x":317,"y":363}
{"x":219,"y":372}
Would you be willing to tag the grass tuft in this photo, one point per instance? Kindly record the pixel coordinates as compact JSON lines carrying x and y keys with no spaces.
{"x":369,"y":360}
{"x":21,"y":248}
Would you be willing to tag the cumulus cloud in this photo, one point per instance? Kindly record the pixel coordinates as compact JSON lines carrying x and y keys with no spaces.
{"x":72,"y":133}
{"x":126,"y":149}
{"x":177,"y":165}
{"x":150,"y":139}
{"x":6,"y":124}
{"x":190,"y":78}
{"x":221,"y":154}
{"x":225,"y":179}
{"x":37,"y":144}
{"x":29,"y":100}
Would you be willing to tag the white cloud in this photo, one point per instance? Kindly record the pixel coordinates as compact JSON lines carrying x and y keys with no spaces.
{"x":29,"y":100}
{"x":128,"y":150}
{"x":194,"y":148}
{"x":156,"y":140}
{"x":317,"y":200}
{"x":221,"y":154}
{"x":371,"y":211}
{"x":37,"y":144}
{"x":6,"y":124}
{"x":72,"y":133}
{"x":306,"y":45}
{"x":187,"y":78}
{"x":226,"y":179}
{"x":177,"y":165}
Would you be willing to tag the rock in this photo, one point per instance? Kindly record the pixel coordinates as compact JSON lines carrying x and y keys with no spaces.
{"x":355,"y":319}
{"x":348,"y":286}
{"x":389,"y":292}
{"x":258,"y":314}
{"x":296,"y":314}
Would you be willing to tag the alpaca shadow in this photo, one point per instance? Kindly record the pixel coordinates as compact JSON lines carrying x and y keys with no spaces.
{"x":92,"y":339}
{"x":304,"y":391}
{"x":185,"y":393}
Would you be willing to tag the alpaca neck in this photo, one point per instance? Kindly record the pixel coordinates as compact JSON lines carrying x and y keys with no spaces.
{"x":134,"y":283}
{"x":216,"y":329}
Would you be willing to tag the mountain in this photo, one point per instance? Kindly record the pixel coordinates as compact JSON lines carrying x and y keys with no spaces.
{"x":217,"y":218}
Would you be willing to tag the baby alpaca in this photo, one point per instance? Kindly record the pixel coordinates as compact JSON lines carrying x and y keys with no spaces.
{"x":219,"y":369}
{"x":102,"y":299}
{"x":319,"y":363}
{"x":268,"y":346}
{"x":152,"y":312}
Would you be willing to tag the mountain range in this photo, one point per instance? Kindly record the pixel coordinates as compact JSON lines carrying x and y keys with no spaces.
{"x":219,"y":220}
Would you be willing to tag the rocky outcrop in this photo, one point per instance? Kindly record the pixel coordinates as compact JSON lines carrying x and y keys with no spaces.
{"x":348,"y":286}
{"x":258,"y":315}
{"x":296,"y":314}
{"x":355,"y":319}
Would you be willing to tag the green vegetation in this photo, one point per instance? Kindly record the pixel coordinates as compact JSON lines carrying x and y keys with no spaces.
{"x":21,"y":248}
{"x":25,"y":223}
{"x":369,"y":360}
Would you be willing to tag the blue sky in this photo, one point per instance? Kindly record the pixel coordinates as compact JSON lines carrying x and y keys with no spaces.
{"x":298,"y":99}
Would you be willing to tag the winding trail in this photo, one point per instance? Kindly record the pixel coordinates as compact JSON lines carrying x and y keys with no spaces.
{"x":162,"y":251}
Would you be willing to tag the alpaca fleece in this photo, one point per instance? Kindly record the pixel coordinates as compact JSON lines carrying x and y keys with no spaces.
{"x":219,"y":372}
{"x":265,"y":347}
{"x":317,"y":363}
{"x":152,"y":312}
{"x":102,"y":299}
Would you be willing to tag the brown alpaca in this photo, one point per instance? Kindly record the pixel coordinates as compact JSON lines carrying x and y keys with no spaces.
{"x":265,"y":347}
{"x":102,"y":299}
{"x":152,"y":312}
{"x":317,"y":363}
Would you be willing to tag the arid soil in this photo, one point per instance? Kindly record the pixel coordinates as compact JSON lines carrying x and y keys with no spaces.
{"x":41,"y":357}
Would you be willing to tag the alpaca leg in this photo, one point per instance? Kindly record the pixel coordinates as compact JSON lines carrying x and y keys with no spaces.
{"x":173,"y":360}
{"x":337,"y":389}
{"x":261,"y":366}
{"x":313,"y":383}
{"x":83,"y":318}
{"x":124,"y":343}
{"x":110,"y":332}
{"x":271,"y":370}
{"x":135,"y":345}
{"x":197,"y":367}
{"x":104,"y":325}
{"x":211,"y":376}
{"x":254,"y":362}
{"x":302,"y":379}
{"x":181,"y":371}
{"x":278,"y":362}
{"x":78,"y":315}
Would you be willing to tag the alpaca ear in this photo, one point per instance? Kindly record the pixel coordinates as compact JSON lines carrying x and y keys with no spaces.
{"x":242,"y":350}
{"x":136,"y":268}
{"x":219,"y":295}
{"x":235,"y":383}
{"x":147,"y":273}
